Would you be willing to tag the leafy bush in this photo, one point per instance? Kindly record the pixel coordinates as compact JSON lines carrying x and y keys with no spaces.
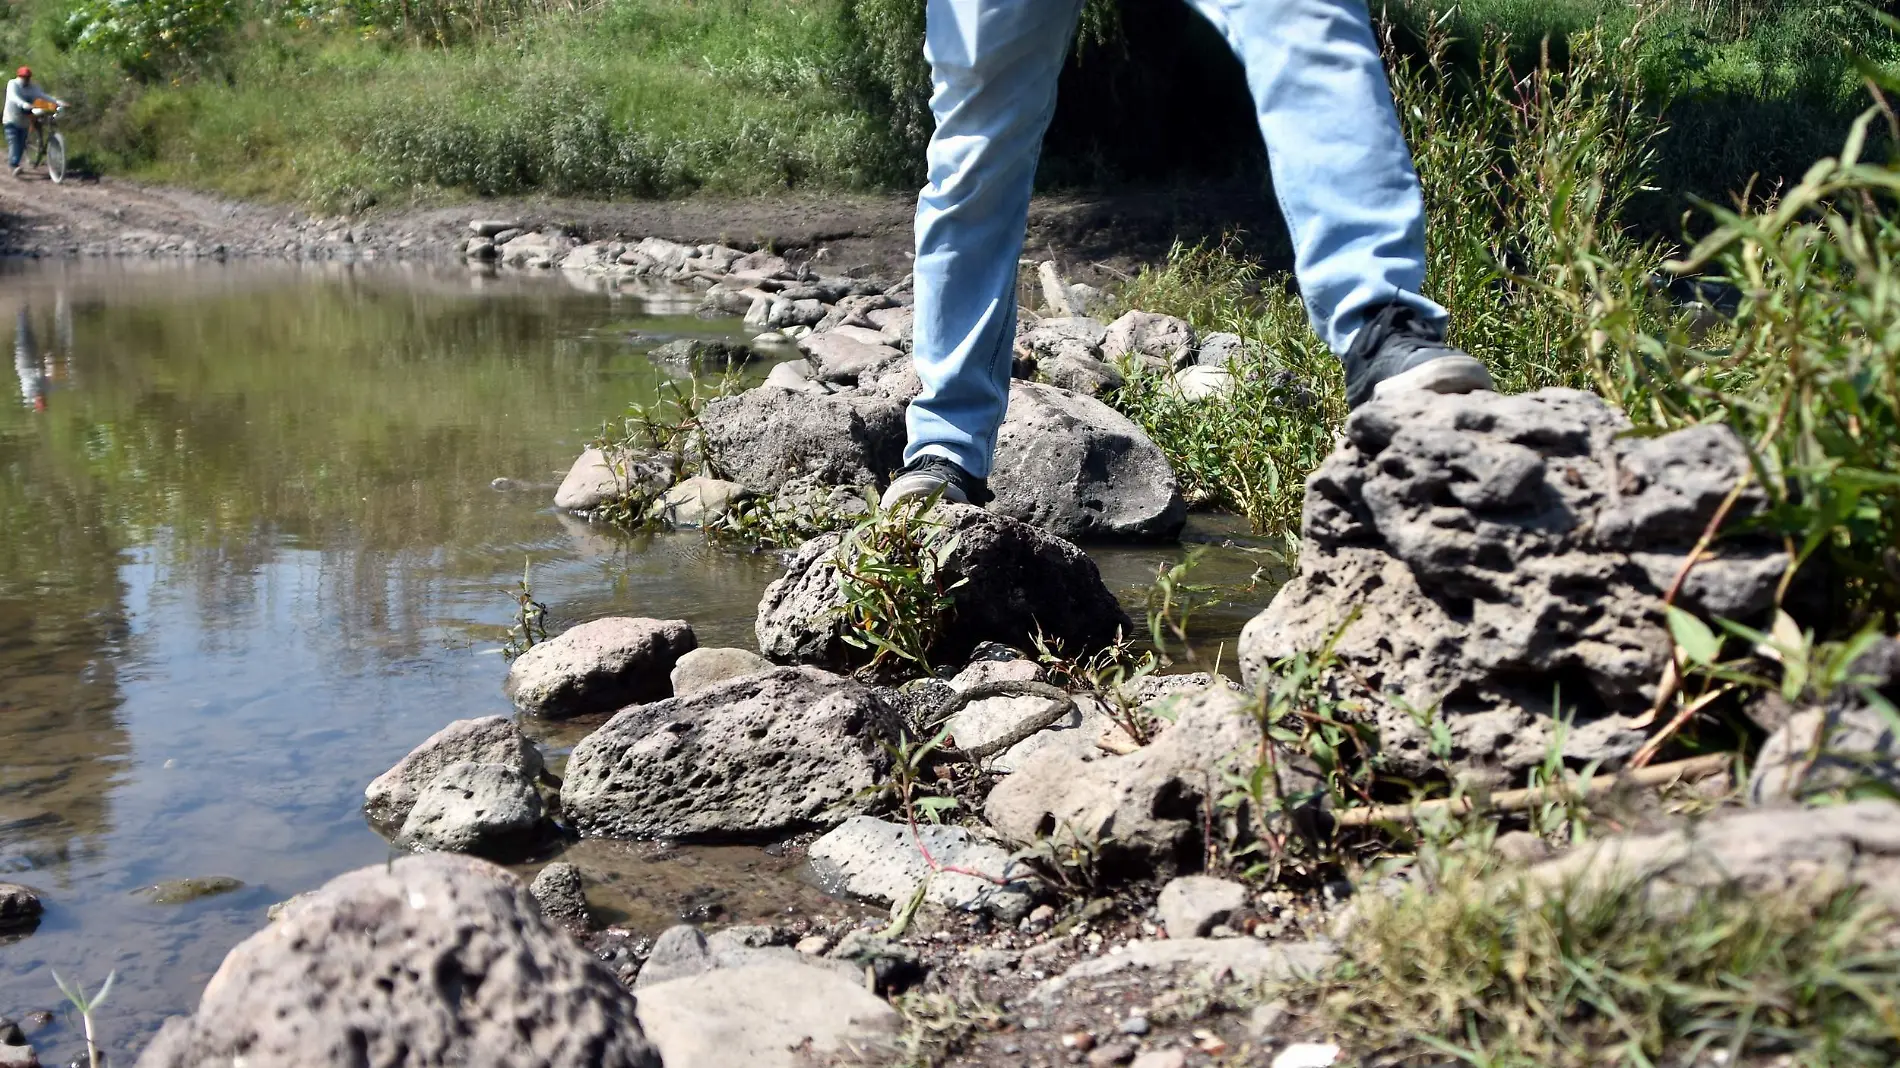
{"x":152,"y":38}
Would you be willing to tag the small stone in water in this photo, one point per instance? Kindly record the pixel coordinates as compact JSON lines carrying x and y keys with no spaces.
{"x":180,"y":891}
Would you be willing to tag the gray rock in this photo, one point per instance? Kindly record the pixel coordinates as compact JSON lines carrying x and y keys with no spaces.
{"x":698,"y":501}
{"x":1191,"y":905}
{"x":19,"y":906}
{"x":426,"y":961}
{"x":763,"y":754}
{"x":597,"y":478}
{"x":599,"y":666}
{"x":678,"y":952}
{"x":19,"y":1055}
{"x":1142,"y":811}
{"x":774,"y":1015}
{"x":563,"y":899}
{"x":535,"y":249}
{"x":479,"y":248}
{"x":1008,"y":580}
{"x":593,"y":256}
{"x":895,"y":324}
{"x":700,"y":352}
{"x":670,"y":255}
{"x":1184,"y":960}
{"x":491,"y":227}
{"x":1484,"y":544}
{"x":764,"y":437}
{"x":1220,"y":350}
{"x":1080,"y":374}
{"x":1203,"y":383}
{"x":1159,"y":337}
{"x":1077,"y":468}
{"x":486,"y":810}
{"x":487,"y":740}
{"x":880,"y":861}
{"x":1841,"y":746}
{"x":838,"y":358}
{"x":709,"y":666}
{"x":1779,"y":850}
{"x":794,"y":375}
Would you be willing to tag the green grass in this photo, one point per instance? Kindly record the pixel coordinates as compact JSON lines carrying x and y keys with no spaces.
{"x":375,"y":102}
{"x":1466,"y":966}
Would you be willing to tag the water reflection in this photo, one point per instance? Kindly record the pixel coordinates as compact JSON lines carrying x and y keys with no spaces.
{"x":252,"y":555}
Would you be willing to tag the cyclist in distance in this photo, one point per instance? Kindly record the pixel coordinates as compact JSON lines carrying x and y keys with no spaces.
{"x":21,"y":95}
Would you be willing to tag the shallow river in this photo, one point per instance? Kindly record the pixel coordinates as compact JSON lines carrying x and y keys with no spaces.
{"x":251,"y":555}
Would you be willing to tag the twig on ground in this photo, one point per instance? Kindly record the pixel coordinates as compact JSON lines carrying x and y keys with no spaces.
{"x":1690,"y":770}
{"x":1062,"y":703}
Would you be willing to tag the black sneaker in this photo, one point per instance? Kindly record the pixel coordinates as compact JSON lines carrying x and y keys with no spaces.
{"x":928,"y":475}
{"x":1398,"y":351}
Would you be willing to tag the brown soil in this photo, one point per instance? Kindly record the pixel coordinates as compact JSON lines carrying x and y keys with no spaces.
{"x":1095,"y":236}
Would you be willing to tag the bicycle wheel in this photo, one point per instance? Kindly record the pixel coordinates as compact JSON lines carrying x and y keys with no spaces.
{"x":56,"y":157}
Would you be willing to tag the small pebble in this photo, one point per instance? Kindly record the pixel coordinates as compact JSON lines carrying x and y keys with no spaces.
{"x":813,"y":945}
{"x":1307,"y":1055}
{"x":1221,"y":930}
{"x":1162,"y":1058}
{"x":1081,"y":1040}
{"x":1210,"y":1043}
{"x":1135,"y":1025}
{"x":1112,"y":1054}
{"x":1031,"y":1023}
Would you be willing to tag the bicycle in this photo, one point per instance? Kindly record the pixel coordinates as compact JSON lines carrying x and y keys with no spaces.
{"x":50,"y":144}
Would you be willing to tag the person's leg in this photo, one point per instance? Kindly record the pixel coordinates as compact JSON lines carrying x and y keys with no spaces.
{"x":994,"y":65}
{"x":16,"y":144}
{"x":1340,"y":164}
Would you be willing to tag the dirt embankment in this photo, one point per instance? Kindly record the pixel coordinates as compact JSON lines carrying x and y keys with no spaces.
{"x":1094,"y":235}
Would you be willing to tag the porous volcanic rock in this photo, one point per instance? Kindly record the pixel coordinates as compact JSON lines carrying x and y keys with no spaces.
{"x":1078,"y":469}
{"x":599,"y":666}
{"x":437,"y":960}
{"x":1501,"y":560}
{"x":1008,"y":580}
{"x":763,"y":754}
{"x":486,"y":740}
{"x":768,"y":435}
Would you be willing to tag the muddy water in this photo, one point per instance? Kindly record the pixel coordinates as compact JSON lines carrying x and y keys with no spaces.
{"x":251,"y":555}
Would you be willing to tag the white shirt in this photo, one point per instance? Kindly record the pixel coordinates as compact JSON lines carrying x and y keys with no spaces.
{"x":20,"y":96}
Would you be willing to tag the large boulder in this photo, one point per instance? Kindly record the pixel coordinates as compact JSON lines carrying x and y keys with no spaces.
{"x":599,"y":666}
{"x":774,"y":1015}
{"x":1008,"y":580}
{"x":766,"y":436}
{"x":487,"y":740}
{"x":489,"y":810}
{"x":1501,"y":560}
{"x":1144,"y":811}
{"x":764,"y":754}
{"x":437,"y":960}
{"x":1081,"y":470}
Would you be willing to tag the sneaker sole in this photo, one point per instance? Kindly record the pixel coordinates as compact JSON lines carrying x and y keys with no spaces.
{"x":917,"y":488}
{"x":1447,"y":374}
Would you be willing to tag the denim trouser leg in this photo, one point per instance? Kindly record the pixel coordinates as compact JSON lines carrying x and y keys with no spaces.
{"x":1340,"y":166}
{"x":16,"y":143}
{"x":993,"y":67}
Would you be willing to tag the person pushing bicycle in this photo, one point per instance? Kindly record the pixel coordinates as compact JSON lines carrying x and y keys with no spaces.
{"x":24,"y":101}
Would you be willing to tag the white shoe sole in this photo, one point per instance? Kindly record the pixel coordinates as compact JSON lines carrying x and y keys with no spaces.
{"x":1447,"y":374}
{"x":917,"y":487}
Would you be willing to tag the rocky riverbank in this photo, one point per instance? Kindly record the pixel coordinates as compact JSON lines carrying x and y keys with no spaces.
{"x":1064,"y":852}
{"x":1469,"y":696}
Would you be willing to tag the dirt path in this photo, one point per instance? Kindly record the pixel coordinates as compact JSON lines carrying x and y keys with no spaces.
{"x":1095,"y":236}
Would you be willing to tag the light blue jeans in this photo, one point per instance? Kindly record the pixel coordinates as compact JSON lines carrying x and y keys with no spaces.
{"x":1340,"y":166}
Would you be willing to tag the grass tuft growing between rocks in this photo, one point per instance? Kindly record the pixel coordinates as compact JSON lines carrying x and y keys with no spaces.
{"x":1476,"y":966}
